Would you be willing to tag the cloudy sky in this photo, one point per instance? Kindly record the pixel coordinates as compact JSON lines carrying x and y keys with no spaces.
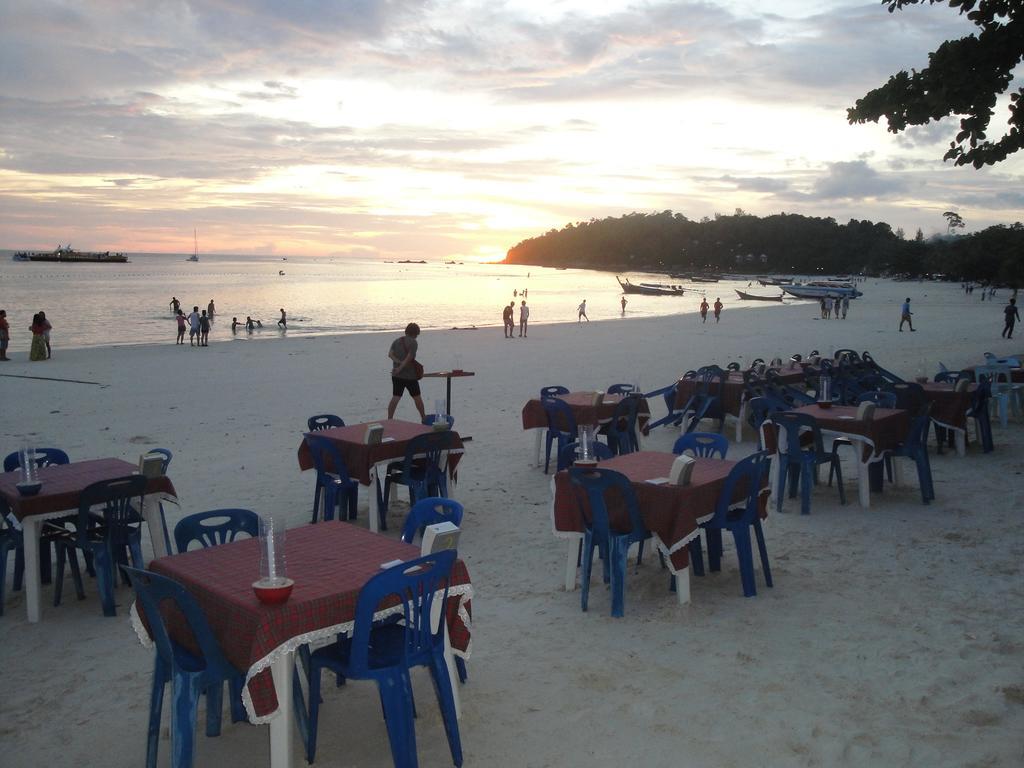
{"x":396,"y":128}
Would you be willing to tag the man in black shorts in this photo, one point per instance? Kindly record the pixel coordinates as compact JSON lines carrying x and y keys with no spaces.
{"x":403,"y":370}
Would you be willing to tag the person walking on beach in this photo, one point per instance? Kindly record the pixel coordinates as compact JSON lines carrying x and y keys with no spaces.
{"x":210,"y":309}
{"x":175,"y":305}
{"x":623,"y":306}
{"x":905,"y":315}
{"x":193,"y":327}
{"x":581,"y":312}
{"x":507,"y":320}
{"x":5,"y":335}
{"x":524,"y":318}
{"x":283,"y":322}
{"x":1012,"y":316}
{"x":822,"y":307}
{"x":204,"y":329}
{"x":405,"y":371}
{"x":180,"y":318}
{"x":703,"y":310}
{"x":718,"y":309}
{"x":846,"y":306}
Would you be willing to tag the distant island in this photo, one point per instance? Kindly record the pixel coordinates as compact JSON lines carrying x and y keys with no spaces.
{"x":782,"y":243}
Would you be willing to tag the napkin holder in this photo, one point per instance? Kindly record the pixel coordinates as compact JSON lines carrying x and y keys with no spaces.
{"x":374,"y":434}
{"x":866,"y":411}
{"x":439,"y":537}
{"x":598,"y":399}
{"x":682,"y":469}
{"x":151,"y":465}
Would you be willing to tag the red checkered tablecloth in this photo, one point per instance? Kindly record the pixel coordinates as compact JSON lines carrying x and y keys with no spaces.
{"x":329,"y":562}
{"x":583,"y":410}
{"x":949,"y":407}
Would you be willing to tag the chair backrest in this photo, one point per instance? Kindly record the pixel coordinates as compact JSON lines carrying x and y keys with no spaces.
{"x":623,"y":423}
{"x":848,"y":355}
{"x":910,"y":396}
{"x":560,"y":416}
{"x":700,"y":405}
{"x":596,"y":483}
{"x":621,"y":389}
{"x":567,"y":456}
{"x":878,"y":397}
{"x":152,"y":590}
{"x":703,"y":444}
{"x":44,"y":458}
{"x":115,"y":496}
{"x":327,"y":459}
{"x":759,"y":408}
{"x":433,"y":509}
{"x":417,"y":584}
{"x":749,"y":477}
{"x":553,"y":391}
{"x":429,"y":448}
{"x":324,"y":421}
{"x":167,"y":458}
{"x":215,"y":527}
{"x":711,"y":379}
{"x":795,"y":424}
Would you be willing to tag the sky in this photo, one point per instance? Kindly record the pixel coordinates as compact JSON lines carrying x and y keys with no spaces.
{"x":403,"y":129}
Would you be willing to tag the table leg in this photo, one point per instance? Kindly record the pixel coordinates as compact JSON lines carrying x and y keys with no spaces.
{"x":282,"y":726}
{"x":864,"y":483}
{"x":683,"y":586}
{"x":536,"y":446}
{"x":739,"y":421}
{"x":31,"y":528}
{"x":960,"y":435}
{"x":571,"y":558}
{"x":375,"y":500}
{"x":453,"y":673}
{"x":151,"y":513}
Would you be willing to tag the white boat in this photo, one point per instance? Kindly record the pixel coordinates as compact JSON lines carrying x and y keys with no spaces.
{"x":195,"y":248}
{"x":818,"y":289}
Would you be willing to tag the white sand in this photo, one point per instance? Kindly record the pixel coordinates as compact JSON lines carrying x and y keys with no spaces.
{"x":893,"y":636}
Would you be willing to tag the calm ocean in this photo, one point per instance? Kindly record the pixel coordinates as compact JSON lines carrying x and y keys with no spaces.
{"x":106,"y":304}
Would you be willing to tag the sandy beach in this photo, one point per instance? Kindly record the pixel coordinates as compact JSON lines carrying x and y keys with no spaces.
{"x":894,"y":636}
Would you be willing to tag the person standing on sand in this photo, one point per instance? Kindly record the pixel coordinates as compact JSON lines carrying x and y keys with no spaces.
{"x":846,"y":306}
{"x":703,"y":310}
{"x":5,"y":335}
{"x":905,"y":315}
{"x":193,"y":327}
{"x":38,"y":349}
{"x":204,"y":329}
{"x":524,"y":317}
{"x":404,"y":370}
{"x":283,"y":322}
{"x":507,"y":321}
{"x":581,"y":312}
{"x":1012,"y":316}
{"x":46,"y":333}
{"x":623,"y":306}
{"x":718,"y":309}
{"x":180,"y":318}
{"x":822,"y":307}
{"x":210,"y":310}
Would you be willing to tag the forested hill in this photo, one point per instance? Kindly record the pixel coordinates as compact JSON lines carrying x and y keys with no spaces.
{"x":781,"y":243}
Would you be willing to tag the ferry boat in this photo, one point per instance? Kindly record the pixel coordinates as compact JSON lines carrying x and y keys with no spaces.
{"x":67,"y":254}
{"x":818,"y":289}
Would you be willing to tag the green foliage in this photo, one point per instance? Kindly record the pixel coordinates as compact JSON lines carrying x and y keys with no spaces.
{"x":671,"y":242}
{"x":963,"y":77}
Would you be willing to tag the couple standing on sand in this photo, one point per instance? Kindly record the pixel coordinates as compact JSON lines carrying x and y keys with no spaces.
{"x":509,"y":320}
{"x":40,"y":349}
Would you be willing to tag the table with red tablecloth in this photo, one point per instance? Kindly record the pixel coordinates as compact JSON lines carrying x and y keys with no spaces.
{"x":583,"y":410}
{"x":362,"y":461}
{"x":731,"y":391}
{"x":62,"y":484}
{"x":672,"y":513}
{"x":329,"y":563}
{"x":949,"y":408}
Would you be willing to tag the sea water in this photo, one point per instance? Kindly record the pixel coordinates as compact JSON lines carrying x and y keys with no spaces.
{"x":112,"y":304}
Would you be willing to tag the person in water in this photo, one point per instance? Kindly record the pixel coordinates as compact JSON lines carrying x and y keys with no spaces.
{"x":283,"y":322}
{"x":249,"y":324}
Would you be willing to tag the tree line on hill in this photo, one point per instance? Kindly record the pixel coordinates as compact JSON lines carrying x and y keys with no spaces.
{"x":781,"y":243}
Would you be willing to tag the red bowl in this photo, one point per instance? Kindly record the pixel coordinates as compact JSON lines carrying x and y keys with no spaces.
{"x":273,"y":594}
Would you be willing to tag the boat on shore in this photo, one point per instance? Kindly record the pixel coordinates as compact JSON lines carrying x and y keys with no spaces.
{"x":650,"y":289}
{"x":67,"y":254}
{"x":819,"y":289}
{"x":755,"y":297}
{"x":779,"y":281}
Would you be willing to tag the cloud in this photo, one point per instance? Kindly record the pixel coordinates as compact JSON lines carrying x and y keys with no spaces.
{"x":855,"y":180}
{"x":757,"y":183}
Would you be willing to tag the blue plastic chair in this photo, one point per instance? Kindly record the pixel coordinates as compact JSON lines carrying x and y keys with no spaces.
{"x":332,"y":480}
{"x":979,"y":412}
{"x":613,"y":544}
{"x":424,"y":469}
{"x":621,"y":430}
{"x":567,"y":455}
{"x":553,"y":391}
{"x":45,"y":457}
{"x":428,"y":511}
{"x":324,"y":421}
{"x":621,"y":389}
{"x":561,"y":427}
{"x":385,"y":652}
{"x":215,"y":527}
{"x":915,"y":446}
{"x":163,"y":471}
{"x":910,"y":395}
{"x":698,"y":408}
{"x":870,"y":365}
{"x":120,"y":531}
{"x":189,"y":675}
{"x":703,"y":444}
{"x":674,"y":415}
{"x":739,"y":518}
{"x":801,"y":460}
